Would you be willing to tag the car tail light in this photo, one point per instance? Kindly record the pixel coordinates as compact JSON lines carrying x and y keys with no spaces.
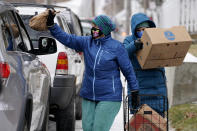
{"x":62,"y":64}
{"x":4,"y":70}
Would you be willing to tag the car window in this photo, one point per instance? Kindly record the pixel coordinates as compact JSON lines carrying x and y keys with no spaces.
{"x":14,"y":33}
{"x":60,"y":22}
{"x":11,"y":32}
{"x":67,"y":18}
{"x":76,"y":25}
{"x":66,"y":28}
{"x":6,"y":36}
{"x":34,"y":35}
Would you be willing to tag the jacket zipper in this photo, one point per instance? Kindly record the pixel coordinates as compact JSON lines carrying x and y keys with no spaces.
{"x":100,"y":56}
{"x":113,"y":84}
{"x":94,"y":72}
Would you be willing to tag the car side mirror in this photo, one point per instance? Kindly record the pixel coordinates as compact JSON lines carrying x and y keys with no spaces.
{"x":46,"y":45}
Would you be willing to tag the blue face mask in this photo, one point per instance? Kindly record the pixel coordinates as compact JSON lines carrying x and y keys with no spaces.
{"x":140,"y":33}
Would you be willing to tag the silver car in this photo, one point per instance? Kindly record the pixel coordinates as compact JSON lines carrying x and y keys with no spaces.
{"x":25,"y":81}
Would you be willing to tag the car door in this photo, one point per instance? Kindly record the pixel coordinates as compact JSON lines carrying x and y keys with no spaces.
{"x":36,"y":76}
{"x":39,"y":81}
{"x":75,"y":60}
{"x":78,"y":31}
{"x":11,"y":96}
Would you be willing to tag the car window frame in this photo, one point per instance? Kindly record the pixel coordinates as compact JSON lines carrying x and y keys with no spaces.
{"x":20,"y":22}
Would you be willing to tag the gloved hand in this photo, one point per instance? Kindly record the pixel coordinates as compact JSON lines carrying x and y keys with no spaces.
{"x":138,"y":44}
{"x":50,"y":19}
{"x":135,"y":99}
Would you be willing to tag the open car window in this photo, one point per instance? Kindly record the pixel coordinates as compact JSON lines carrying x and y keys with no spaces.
{"x":34,"y":35}
{"x":15,"y":33}
{"x":12,"y":32}
{"x":6,"y":35}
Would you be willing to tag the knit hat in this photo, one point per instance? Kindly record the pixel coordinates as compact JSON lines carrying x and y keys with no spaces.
{"x":105,"y":24}
{"x":143,"y":24}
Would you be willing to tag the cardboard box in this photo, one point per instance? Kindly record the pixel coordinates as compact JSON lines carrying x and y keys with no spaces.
{"x":146,"y":119}
{"x":163,"y":47}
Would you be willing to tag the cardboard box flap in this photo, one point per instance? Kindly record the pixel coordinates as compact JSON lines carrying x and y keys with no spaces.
{"x":171,"y":35}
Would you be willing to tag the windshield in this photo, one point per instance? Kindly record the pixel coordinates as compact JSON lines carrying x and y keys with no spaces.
{"x":34,"y":35}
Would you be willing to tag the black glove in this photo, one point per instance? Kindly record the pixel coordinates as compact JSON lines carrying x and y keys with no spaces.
{"x":138,"y":44}
{"x":135,"y":99}
{"x":50,"y":19}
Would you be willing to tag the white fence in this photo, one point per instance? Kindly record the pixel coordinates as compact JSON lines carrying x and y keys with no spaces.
{"x":188,"y":14}
{"x":179,"y":12}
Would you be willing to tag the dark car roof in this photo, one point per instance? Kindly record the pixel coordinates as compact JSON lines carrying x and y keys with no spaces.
{"x":5,"y":6}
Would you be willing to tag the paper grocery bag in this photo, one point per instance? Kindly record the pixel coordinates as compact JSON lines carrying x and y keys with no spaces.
{"x":38,"y":22}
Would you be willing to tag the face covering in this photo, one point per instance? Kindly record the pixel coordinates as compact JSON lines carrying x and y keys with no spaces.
{"x":140,"y":33}
{"x":96,"y":32}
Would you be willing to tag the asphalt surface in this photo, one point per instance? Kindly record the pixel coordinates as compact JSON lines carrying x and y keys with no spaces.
{"x":117,"y":125}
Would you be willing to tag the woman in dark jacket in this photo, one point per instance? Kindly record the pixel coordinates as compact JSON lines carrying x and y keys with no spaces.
{"x":151,"y":81}
{"x":104,"y":58}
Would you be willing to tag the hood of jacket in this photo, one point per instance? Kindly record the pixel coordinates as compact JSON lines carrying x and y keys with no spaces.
{"x":138,"y":19}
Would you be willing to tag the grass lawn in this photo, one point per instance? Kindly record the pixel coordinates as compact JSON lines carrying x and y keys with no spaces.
{"x":193,"y":49}
{"x":183,"y":117}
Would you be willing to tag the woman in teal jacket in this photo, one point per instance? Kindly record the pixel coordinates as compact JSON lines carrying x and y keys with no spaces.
{"x":104,"y":58}
{"x":151,"y":81}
